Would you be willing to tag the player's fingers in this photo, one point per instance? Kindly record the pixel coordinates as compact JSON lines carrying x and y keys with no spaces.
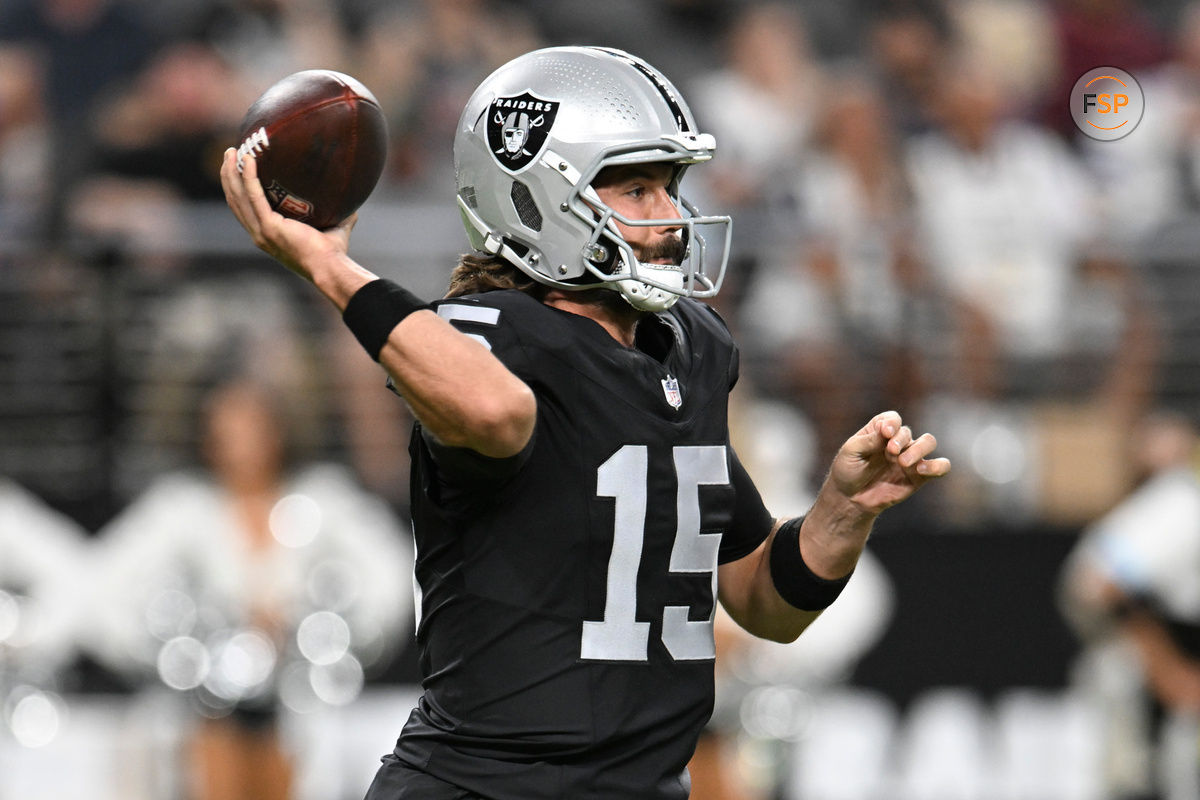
{"x":933,"y":467}
{"x":235,"y":190}
{"x":918,"y":450}
{"x":886,"y":423}
{"x":873,"y":436}
{"x":255,"y":194}
{"x":229,"y":177}
{"x":900,"y":441}
{"x":266,"y":229}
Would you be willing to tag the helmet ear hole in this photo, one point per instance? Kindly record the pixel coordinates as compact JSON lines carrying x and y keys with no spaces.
{"x":525,"y":206}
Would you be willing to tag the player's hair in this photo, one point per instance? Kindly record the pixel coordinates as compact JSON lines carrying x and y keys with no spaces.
{"x":477,"y":273}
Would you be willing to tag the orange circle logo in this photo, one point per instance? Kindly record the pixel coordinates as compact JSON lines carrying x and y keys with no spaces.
{"x":1107,"y":103}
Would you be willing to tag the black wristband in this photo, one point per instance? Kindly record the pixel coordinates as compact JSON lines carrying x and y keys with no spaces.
{"x":795,"y":582}
{"x":375,"y":309}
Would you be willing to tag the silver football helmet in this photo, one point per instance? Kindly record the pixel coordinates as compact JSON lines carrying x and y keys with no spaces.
{"x":534,"y":136}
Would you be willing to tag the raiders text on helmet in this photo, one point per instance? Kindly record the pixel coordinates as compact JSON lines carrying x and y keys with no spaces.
{"x":534,"y":136}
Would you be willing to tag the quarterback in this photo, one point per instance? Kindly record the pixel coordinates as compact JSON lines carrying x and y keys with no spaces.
{"x":577,"y":506}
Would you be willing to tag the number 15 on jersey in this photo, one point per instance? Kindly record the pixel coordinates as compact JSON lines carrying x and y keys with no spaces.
{"x":619,"y":636}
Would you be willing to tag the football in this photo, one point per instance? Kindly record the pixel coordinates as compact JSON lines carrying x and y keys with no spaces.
{"x":320,"y":141}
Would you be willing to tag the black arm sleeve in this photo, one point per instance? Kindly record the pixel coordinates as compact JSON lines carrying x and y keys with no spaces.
{"x":752,"y":522}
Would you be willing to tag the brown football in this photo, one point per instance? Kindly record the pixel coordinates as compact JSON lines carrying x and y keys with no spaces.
{"x":320,"y":140}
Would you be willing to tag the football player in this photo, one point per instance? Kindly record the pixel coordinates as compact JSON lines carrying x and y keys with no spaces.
{"x":578,"y":509}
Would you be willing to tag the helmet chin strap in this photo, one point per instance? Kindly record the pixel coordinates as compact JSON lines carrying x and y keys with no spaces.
{"x":645,"y":297}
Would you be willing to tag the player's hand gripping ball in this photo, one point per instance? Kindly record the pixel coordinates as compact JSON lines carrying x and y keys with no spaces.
{"x":320,"y":140}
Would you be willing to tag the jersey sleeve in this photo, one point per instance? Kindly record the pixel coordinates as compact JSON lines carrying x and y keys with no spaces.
{"x":751,"y":523}
{"x":491,"y":320}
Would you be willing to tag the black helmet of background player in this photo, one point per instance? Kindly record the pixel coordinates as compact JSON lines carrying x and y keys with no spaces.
{"x":530,"y":142}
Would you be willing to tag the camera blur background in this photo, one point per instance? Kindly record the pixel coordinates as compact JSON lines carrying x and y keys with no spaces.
{"x":205,"y":585}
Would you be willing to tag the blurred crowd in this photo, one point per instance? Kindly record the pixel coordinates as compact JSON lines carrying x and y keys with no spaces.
{"x":918,"y":225}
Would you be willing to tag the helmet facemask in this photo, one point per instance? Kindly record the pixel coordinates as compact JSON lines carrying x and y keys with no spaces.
{"x":611,"y":262}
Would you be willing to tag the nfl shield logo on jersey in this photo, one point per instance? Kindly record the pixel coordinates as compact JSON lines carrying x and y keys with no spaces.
{"x":671,"y":390}
{"x":517,"y":128}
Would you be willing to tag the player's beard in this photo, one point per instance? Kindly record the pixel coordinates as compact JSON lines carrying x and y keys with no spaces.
{"x":670,"y":247}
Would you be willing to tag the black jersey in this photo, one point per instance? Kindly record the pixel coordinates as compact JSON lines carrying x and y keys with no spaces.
{"x":567,"y":594}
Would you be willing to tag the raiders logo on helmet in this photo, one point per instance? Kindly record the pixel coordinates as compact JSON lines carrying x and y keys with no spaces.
{"x":517,"y":128}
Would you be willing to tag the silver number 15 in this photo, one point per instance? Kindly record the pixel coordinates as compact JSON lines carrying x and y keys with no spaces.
{"x":623,"y":477}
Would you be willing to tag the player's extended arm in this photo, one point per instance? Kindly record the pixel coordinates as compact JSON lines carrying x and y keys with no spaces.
{"x":881,"y":465}
{"x":459,"y":391}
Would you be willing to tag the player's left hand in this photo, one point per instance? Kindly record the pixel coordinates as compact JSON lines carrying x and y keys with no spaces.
{"x":884,"y":464}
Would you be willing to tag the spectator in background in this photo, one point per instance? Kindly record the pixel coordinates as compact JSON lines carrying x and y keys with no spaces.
{"x":668,"y":28}
{"x":41,"y":566}
{"x":158,"y":145}
{"x":1061,"y":336}
{"x":760,"y":104}
{"x":264,"y":40}
{"x":1131,"y":589}
{"x":1118,"y":338}
{"x":174,"y":120}
{"x":1017,"y":37}
{"x":24,"y":148}
{"x":1149,"y":180}
{"x":84,"y":49}
{"x":372,"y":432}
{"x":908,"y":42}
{"x":422,"y":60}
{"x":851,"y":267}
{"x":254,"y":584}
{"x":1004,"y":212}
